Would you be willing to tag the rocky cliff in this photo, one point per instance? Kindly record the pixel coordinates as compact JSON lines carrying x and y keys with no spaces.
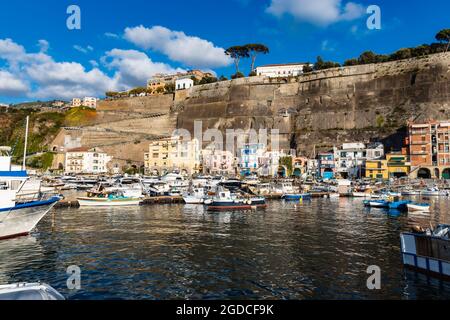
{"x":312,"y":112}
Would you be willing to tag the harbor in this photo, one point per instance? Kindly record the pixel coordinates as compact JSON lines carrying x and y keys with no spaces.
{"x":315,"y":250}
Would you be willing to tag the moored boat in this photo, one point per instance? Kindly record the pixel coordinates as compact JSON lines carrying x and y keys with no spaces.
{"x":20,"y":212}
{"x":420,"y":207}
{"x":296,"y":196}
{"x":109,"y":199}
{"x":427,"y":251}
{"x":225,"y":200}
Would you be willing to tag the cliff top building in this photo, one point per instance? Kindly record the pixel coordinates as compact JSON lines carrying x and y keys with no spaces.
{"x":281,"y":70}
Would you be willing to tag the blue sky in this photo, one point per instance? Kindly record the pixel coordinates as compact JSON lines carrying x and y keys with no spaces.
{"x":122,"y":43}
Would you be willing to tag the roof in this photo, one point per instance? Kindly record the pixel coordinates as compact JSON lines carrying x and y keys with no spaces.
{"x":283,"y":64}
{"x":81,"y":149}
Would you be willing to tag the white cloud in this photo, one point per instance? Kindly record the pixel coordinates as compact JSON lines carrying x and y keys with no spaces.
{"x":10,"y":85}
{"x":43,"y":45}
{"x":82,"y":49}
{"x":191,"y":51}
{"x":133,"y":68}
{"x":39,"y":76}
{"x":111,"y":35}
{"x":323,"y":12}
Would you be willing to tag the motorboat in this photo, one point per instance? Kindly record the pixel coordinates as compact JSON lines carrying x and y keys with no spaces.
{"x":400,"y":205}
{"x":20,"y":211}
{"x":29,"y":291}
{"x":378,"y":203}
{"x":197,"y":196}
{"x":108,"y":199}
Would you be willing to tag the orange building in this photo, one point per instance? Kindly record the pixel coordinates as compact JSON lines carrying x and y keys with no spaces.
{"x":429,"y":146}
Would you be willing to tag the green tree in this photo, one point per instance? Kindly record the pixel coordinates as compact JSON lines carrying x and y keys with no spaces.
{"x":307,"y":68}
{"x":238,"y":75}
{"x":223,"y":78}
{"x":444,"y":36}
{"x":322,"y":65}
{"x":404,"y":53}
{"x":169,"y":87}
{"x":351,"y":62}
{"x":367,"y":57}
{"x":237,"y":53}
{"x":287,"y":162}
{"x":254,"y":49}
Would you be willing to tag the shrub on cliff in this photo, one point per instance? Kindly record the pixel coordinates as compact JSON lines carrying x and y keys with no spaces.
{"x":237,"y":75}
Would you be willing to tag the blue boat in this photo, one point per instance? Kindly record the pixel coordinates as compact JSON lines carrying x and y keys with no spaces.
{"x":401,"y":205}
{"x":297,"y":197}
{"x":379,"y":203}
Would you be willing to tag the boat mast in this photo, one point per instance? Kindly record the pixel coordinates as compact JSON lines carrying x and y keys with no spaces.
{"x":25,"y":146}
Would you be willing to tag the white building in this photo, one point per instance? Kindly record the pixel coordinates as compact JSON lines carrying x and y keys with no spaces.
{"x":86,"y":161}
{"x":184,"y":83}
{"x":281,"y":70}
{"x":76,"y":102}
{"x":90,"y":102}
{"x":351,"y":158}
{"x":217,"y":162}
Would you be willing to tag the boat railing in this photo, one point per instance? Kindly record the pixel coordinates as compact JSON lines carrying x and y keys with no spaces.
{"x":35,"y":196}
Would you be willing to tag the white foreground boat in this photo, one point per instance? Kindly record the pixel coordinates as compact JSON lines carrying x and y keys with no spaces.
{"x":19,"y":212}
{"x":29,"y":291}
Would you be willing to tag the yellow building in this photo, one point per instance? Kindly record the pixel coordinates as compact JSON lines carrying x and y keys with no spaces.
{"x":173,"y":154}
{"x":398,"y":165}
{"x":377,"y":169}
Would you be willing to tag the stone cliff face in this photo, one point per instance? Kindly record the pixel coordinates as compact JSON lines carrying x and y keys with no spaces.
{"x":326,"y":108}
{"x":312,"y":112}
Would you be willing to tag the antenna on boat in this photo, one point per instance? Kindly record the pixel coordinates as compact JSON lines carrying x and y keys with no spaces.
{"x":25,"y":146}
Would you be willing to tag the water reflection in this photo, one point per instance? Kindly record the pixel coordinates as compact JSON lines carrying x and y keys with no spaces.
{"x":312,"y":250}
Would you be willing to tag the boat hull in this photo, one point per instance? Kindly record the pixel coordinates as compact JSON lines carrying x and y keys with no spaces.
{"x":237,"y":207}
{"x":90,"y":202}
{"x":22,"y":219}
{"x":417,"y":208}
{"x":296,"y":197}
{"x":193,"y":200}
{"x":415,"y":257}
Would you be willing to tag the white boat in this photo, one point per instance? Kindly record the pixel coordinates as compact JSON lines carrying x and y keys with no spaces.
{"x":433,"y":192}
{"x":427,"y":250}
{"x":196,"y":197}
{"x":20,"y":212}
{"x":108,"y":199}
{"x":29,"y":291}
{"x":410,"y":192}
{"x":361,"y":195}
{"x":418,"y":207}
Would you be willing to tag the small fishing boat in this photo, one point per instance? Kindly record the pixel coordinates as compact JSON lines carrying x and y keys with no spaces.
{"x":29,"y":292}
{"x":297,"y":197}
{"x":108,"y":199}
{"x":418,"y":207}
{"x":225,"y":200}
{"x":427,"y":251}
{"x":400,"y":205}
{"x":378,"y":203}
{"x":433,"y":192}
